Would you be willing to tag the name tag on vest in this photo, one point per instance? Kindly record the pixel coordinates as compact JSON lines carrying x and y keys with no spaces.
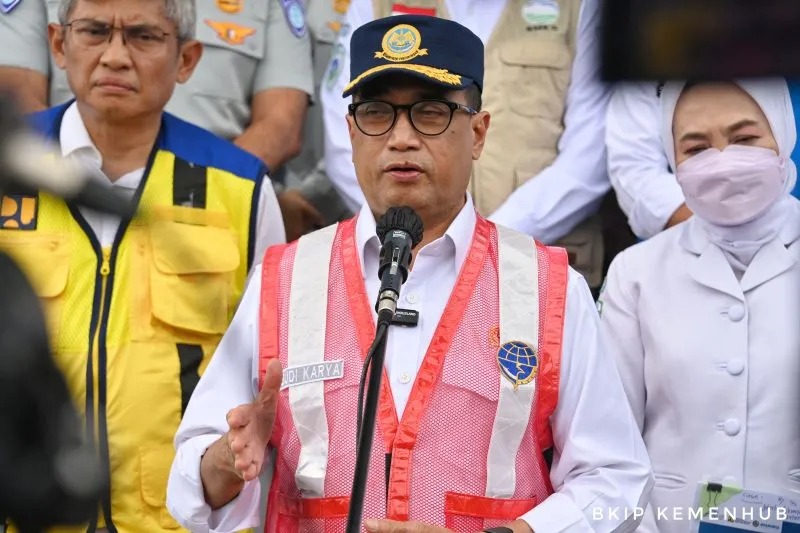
{"x":312,"y":372}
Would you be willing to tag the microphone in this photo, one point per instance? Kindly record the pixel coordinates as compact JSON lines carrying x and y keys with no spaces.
{"x":28,"y":164}
{"x":400,"y":230}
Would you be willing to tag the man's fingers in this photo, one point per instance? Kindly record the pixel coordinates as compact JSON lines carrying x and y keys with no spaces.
{"x":272,"y":383}
{"x":239,"y":416}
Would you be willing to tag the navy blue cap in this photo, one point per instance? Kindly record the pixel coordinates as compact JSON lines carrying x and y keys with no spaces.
{"x":434,"y":49}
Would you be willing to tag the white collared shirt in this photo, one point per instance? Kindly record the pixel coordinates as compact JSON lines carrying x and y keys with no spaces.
{"x":600,"y":459}
{"x":647,"y":190}
{"x":563,"y":194}
{"x":77,"y":144}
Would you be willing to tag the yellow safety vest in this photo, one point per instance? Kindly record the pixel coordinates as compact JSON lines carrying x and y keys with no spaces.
{"x":134,"y":325}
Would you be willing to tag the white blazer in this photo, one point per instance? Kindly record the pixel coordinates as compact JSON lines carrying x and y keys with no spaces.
{"x":710,"y":364}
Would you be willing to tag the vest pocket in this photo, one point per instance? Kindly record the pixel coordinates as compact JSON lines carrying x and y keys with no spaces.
{"x":44,"y":259}
{"x":154,"y":465}
{"x":317,"y":513}
{"x":536,"y":73}
{"x":466,"y":512}
{"x":191,"y":278}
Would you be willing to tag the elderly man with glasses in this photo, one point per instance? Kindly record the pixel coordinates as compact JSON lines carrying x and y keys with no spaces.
{"x":136,"y":306}
{"x":499,"y":408}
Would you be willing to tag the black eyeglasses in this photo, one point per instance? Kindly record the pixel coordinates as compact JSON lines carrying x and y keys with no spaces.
{"x":429,"y":117}
{"x":142,"y":37}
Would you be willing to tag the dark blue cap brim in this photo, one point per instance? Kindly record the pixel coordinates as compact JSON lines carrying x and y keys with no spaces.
{"x":436,"y":76}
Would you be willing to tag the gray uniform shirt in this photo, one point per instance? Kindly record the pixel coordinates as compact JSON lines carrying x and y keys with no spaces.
{"x":249,"y":46}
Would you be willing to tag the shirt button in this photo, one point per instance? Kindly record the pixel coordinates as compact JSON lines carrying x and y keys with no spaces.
{"x":735,"y":366}
{"x":404,"y":378}
{"x":732,"y":427}
{"x":736,"y":312}
{"x":412,"y":297}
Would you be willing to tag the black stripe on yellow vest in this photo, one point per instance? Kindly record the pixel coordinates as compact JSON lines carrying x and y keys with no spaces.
{"x":94,"y":325}
{"x":102,"y":325}
{"x":190,"y":356}
{"x":189,"y":184}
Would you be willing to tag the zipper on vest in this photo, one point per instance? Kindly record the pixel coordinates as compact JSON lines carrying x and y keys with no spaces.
{"x":98,"y":402}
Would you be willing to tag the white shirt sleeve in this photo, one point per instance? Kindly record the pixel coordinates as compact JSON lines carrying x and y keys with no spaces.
{"x":600,"y":465}
{"x":230,"y":380}
{"x":572,"y":187}
{"x":647,"y":191}
{"x":338,"y":151}
{"x":269,"y":224}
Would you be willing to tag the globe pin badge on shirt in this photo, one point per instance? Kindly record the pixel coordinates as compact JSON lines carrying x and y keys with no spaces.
{"x":517,"y":360}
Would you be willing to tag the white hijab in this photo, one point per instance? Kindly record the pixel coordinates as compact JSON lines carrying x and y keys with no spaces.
{"x":741,"y":243}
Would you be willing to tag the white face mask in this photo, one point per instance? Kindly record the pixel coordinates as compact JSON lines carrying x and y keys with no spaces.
{"x":734,"y":186}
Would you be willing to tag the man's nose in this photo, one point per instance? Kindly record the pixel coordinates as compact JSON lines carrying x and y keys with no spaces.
{"x":403,"y":135}
{"x":116,"y":54}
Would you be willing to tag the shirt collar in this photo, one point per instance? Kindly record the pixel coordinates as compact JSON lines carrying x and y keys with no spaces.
{"x":74,"y":137}
{"x":76,"y":143}
{"x":453,"y":245}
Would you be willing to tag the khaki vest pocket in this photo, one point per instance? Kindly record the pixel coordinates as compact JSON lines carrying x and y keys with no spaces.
{"x":154,"y":465}
{"x":44,"y":259}
{"x":536,"y":73}
{"x":466,"y":512}
{"x":192,"y":276}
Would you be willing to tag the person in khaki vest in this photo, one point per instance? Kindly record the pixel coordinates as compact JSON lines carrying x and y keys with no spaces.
{"x":548,"y":111}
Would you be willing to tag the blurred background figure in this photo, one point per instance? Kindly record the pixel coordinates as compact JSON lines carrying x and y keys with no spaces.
{"x":306,"y":172}
{"x":702,"y":318}
{"x":50,"y":471}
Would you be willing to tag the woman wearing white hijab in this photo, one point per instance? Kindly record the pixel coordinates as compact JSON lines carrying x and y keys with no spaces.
{"x":704,"y":318}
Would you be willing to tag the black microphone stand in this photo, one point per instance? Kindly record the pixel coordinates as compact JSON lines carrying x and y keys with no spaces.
{"x":366,"y":426}
{"x":400,"y":230}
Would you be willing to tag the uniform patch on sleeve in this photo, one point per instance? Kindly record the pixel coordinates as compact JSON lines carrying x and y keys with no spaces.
{"x":7,"y":6}
{"x":335,"y":67}
{"x":295,"y":17}
{"x":19,"y":211}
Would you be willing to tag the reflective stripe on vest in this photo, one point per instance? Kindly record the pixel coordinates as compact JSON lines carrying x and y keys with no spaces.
{"x":519,"y":321}
{"x":308,"y":306}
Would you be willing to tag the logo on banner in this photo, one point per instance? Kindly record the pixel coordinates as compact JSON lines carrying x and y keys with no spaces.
{"x":401,"y":43}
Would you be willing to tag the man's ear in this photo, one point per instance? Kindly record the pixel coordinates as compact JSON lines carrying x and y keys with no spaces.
{"x":351,"y":126}
{"x":480,"y":126}
{"x":55,"y":37}
{"x":189,"y":56}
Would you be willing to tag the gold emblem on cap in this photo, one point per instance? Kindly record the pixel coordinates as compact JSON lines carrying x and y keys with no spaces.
{"x":401,"y":43}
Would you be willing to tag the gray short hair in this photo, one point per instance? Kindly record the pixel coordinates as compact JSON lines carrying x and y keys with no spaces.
{"x":181,"y":12}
